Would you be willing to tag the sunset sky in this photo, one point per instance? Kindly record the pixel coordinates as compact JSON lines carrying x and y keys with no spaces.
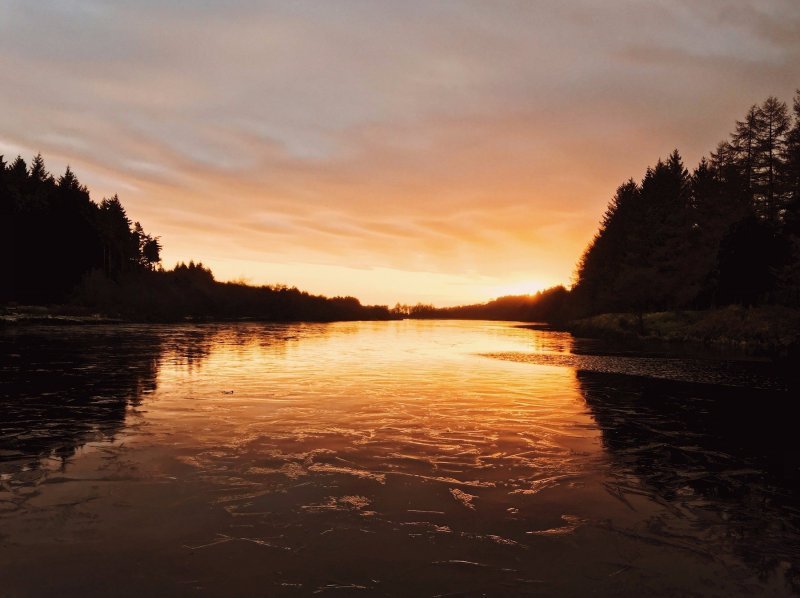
{"x":434,"y":151}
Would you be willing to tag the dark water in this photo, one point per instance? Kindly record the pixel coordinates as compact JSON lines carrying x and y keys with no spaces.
{"x":389,"y":458}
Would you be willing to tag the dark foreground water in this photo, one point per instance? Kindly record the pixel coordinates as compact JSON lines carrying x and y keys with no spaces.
{"x":390,"y":458}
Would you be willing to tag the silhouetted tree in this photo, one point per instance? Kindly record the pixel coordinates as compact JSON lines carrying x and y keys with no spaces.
{"x":769,"y":160}
{"x":38,"y":172}
{"x":149,"y":248}
{"x":54,"y":234}
{"x":17,"y":179}
{"x":69,"y":182}
{"x":599,"y":264}
{"x":729,"y":233}
{"x":791,"y":172}
{"x":789,"y":274}
{"x":744,"y":144}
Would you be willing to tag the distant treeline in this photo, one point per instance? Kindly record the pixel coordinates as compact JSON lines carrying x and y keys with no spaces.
{"x":60,"y":247}
{"x":727,"y":233}
{"x":547,"y":305}
{"x":190,"y":291}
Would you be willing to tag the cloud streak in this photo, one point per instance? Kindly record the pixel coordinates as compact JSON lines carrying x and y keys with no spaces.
{"x":470,"y":144}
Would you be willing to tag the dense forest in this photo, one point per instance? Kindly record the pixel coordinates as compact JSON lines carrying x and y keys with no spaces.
{"x":54,"y":234}
{"x":727,"y":233}
{"x":60,"y":247}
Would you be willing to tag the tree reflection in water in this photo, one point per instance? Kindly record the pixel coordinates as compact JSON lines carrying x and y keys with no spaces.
{"x":721,"y":459}
{"x":61,"y":390}
{"x":381,"y":449}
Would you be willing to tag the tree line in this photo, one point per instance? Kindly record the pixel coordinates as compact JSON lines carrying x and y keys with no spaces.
{"x":60,"y":247}
{"x":54,"y":234}
{"x":548,"y":305}
{"x":726,"y":233}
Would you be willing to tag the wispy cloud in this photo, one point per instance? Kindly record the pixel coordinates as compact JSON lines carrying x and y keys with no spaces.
{"x":438,"y":139}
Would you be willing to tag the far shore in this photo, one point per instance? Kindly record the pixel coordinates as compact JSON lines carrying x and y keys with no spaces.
{"x":67,"y":315}
{"x":768,"y":331}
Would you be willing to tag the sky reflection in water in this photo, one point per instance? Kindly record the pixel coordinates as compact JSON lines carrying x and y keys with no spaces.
{"x":384,"y":458}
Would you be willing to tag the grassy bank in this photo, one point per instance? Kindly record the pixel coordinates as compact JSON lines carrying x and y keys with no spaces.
{"x":772,"y":329}
{"x":52,"y":314}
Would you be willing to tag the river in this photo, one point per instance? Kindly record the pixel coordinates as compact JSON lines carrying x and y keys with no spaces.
{"x":405,"y":458}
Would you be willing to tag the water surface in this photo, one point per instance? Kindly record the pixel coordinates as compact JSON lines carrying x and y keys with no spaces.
{"x":387,"y":458}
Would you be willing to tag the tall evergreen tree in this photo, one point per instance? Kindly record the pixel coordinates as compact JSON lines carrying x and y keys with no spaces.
{"x":18,"y":173}
{"x":790,"y":273}
{"x":769,"y":159}
{"x":792,"y":165}
{"x":68,"y":181}
{"x":599,"y":264}
{"x":744,"y":144}
{"x":38,"y":172}
{"x":660,"y":245}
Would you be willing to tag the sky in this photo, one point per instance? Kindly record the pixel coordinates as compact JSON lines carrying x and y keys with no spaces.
{"x":418,"y":151}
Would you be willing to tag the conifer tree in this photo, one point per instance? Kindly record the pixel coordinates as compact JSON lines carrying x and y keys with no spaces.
{"x":68,"y":181}
{"x":18,"y":171}
{"x":38,"y":172}
{"x":791,"y":173}
{"x":769,"y":159}
{"x":744,"y":144}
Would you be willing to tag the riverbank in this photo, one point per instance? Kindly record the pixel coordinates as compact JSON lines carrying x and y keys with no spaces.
{"x":55,"y":315}
{"x":771,"y":330}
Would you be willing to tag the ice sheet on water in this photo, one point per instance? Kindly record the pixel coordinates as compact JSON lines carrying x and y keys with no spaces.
{"x":722,"y":372}
{"x":572,"y":523}
{"x":463,"y":497}
{"x":339,"y":503}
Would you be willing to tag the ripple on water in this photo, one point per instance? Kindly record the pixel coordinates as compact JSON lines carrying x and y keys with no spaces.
{"x":388,"y":457}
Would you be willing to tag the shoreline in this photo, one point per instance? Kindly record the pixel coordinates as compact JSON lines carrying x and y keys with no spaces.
{"x":65,"y":315}
{"x":763,"y":330}
{"x":771,"y":331}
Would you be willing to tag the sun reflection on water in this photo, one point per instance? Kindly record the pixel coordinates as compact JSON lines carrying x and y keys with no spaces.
{"x":427,"y":457}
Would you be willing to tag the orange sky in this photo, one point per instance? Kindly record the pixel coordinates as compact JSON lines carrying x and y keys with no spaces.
{"x":443,"y":152}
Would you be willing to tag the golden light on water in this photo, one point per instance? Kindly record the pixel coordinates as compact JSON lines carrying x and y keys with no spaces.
{"x":336,"y":456}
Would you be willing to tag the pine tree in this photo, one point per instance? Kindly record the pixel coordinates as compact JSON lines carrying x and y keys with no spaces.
{"x":68,"y":181}
{"x":38,"y":172}
{"x":18,"y":170}
{"x":744,"y":143}
{"x":769,"y":159}
{"x":791,"y":175}
{"x":599,"y":264}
